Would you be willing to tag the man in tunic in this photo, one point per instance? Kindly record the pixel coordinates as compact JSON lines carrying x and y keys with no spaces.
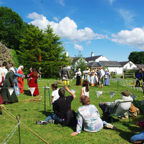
{"x":86,"y":74}
{"x":65,"y":75}
{"x":9,"y":83}
{"x":39,"y":73}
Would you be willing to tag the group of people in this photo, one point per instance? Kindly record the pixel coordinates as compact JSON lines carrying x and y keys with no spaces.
{"x":94,"y":77}
{"x":12,"y":83}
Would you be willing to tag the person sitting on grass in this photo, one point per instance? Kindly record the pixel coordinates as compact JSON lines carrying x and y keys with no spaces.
{"x":62,"y":106}
{"x":89,"y":116}
{"x":107,"y":107}
{"x":138,"y":138}
{"x":55,"y":94}
{"x":85,"y":89}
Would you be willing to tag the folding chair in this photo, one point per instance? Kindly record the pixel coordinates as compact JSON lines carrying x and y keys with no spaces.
{"x":136,"y":103}
{"x":121,"y":108}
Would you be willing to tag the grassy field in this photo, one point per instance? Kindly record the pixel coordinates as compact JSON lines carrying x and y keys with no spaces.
{"x":55,"y":134}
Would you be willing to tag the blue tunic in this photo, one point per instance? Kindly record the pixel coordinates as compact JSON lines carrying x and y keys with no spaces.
{"x":87,"y":76}
{"x":16,"y":87}
{"x":106,"y":81}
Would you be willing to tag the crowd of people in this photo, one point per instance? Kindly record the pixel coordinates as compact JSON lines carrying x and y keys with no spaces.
{"x":88,"y":115}
{"x":12,"y":83}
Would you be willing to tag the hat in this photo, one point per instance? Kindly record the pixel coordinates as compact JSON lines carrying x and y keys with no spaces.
{"x":12,"y":69}
{"x":125,"y":93}
{"x":92,"y":71}
{"x":87,"y":68}
{"x":106,"y":70}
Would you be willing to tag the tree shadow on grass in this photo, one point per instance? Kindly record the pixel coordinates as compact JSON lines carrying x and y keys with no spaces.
{"x":27,"y":92}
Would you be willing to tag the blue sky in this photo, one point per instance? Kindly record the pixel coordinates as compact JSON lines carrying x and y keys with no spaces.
{"x":113,"y":28}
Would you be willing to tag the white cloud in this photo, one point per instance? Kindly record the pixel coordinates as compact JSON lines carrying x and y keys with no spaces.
{"x":134,"y":38}
{"x":66,"y":28}
{"x":88,"y":42}
{"x":78,"y":47}
{"x":111,"y":1}
{"x":127,"y":16}
{"x":55,"y":18}
{"x":61,"y":2}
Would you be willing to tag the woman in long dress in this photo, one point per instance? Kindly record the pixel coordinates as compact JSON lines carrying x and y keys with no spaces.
{"x":78,"y":77}
{"x":33,"y":81}
{"x":93,"y":78}
{"x":20,"y":79}
{"x":9,"y":83}
{"x":106,"y":77}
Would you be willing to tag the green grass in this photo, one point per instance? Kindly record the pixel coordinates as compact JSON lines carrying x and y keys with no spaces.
{"x":55,"y":134}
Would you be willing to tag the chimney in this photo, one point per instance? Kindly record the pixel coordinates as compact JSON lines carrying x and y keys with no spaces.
{"x":67,"y":53}
{"x":92,"y":54}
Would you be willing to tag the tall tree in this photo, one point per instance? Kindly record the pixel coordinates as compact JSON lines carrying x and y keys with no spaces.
{"x":79,"y":62}
{"x":11,"y":27}
{"x":137,"y":57}
{"x":43,"y":44}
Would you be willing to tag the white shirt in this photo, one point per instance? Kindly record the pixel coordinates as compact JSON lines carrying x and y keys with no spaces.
{"x":4,"y":71}
{"x":79,"y":73}
{"x":102,"y":73}
{"x":55,"y":95}
{"x":84,"y":92}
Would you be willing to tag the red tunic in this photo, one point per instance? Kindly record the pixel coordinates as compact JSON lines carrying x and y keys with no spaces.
{"x":1,"y":100}
{"x":32,"y":83}
{"x":20,"y":82}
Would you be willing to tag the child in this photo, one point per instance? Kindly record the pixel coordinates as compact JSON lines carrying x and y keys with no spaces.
{"x":55,"y":94}
{"x":85,"y":89}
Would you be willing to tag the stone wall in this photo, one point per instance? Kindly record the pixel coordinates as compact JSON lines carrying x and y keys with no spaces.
{"x":5,"y":55}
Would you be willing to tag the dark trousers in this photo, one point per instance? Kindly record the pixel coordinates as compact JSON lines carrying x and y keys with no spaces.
{"x":137,"y":83}
{"x":103,"y":107}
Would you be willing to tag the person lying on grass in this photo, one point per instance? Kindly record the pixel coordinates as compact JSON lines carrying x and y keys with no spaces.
{"x":62,"y":105}
{"x":107,"y":107}
{"x":138,"y":138}
{"x":89,"y":116}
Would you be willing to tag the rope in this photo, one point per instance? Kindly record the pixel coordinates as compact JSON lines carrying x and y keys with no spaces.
{"x":13,"y":117}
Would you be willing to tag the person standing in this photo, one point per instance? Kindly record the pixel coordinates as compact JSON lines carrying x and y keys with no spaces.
{"x":1,"y":99}
{"x":21,"y":79}
{"x":39,"y":72}
{"x":16,"y":86}
{"x":87,"y":74}
{"x":33,"y":81}
{"x":60,"y":73}
{"x":78,"y":77}
{"x":101,"y":75}
{"x":106,"y":77}
{"x":65,"y":75}
{"x":9,"y":83}
{"x":143,"y":74}
{"x":3,"y":70}
{"x":138,"y":78}
{"x":0,"y":42}
{"x":28,"y":78}
{"x":93,"y":78}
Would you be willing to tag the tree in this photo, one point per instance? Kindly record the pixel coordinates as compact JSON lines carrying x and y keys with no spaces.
{"x":42,"y":43}
{"x":79,"y":62}
{"x":137,"y":57}
{"x":11,"y":27}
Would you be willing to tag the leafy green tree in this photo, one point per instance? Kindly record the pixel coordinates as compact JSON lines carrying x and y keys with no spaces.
{"x":79,"y":62}
{"x":11,"y":27}
{"x":137,"y":57}
{"x":44,"y":43}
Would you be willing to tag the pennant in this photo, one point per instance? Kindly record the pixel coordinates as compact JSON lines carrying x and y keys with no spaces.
{"x":142,"y":102}
{"x":134,"y":96}
{"x":10,"y":90}
{"x":73,"y":91}
{"x":32,"y":89}
{"x":99,"y":93}
{"x":112,"y":94}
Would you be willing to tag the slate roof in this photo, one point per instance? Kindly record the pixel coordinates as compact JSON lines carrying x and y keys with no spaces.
{"x":140,"y":65}
{"x":123,"y":63}
{"x":92,"y":58}
{"x":93,"y":64}
{"x":110,"y":63}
